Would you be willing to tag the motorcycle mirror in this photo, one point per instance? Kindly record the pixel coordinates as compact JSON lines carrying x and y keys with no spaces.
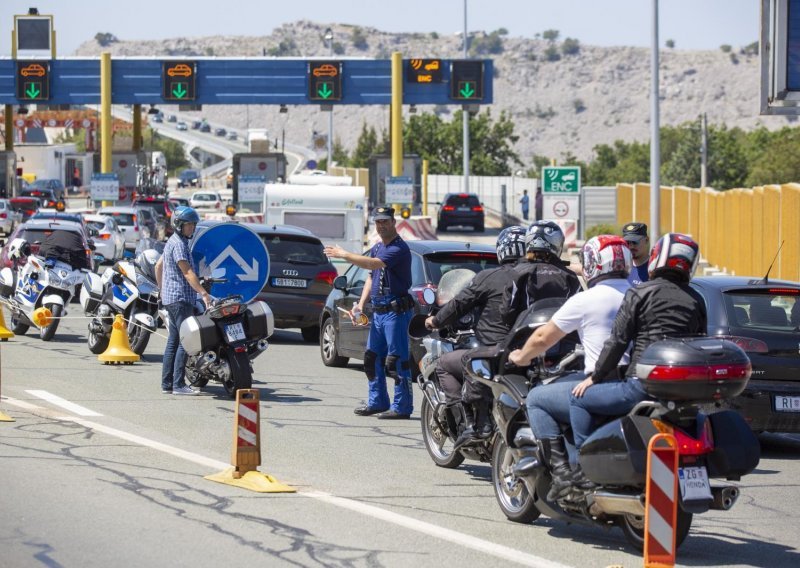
{"x":416,"y":327}
{"x":429,"y":296}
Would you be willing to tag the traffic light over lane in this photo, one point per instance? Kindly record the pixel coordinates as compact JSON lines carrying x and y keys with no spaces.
{"x":325,"y":81}
{"x":466,"y":80}
{"x":33,"y":80}
{"x":178,"y":81}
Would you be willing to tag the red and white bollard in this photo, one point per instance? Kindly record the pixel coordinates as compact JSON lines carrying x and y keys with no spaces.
{"x":247,"y":445}
{"x":661,"y":501}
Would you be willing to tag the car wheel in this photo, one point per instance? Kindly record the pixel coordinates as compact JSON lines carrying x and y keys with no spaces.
{"x":327,"y":346}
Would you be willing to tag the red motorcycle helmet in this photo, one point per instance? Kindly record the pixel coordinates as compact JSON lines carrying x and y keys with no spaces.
{"x":676,"y":253}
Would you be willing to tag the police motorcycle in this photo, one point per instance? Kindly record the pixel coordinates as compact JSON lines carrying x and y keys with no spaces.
{"x":37,"y":283}
{"x":127,"y":288}
{"x":442,"y":424}
{"x":222,"y":341}
{"x":680,"y":375}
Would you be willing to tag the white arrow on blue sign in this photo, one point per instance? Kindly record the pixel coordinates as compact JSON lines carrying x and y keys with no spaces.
{"x":240,"y":252}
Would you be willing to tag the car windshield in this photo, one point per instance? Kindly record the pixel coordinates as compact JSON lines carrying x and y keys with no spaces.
{"x":440,"y":264}
{"x":286,"y":248}
{"x":463,"y":200}
{"x":42,"y":184}
{"x":188,"y":174}
{"x":776,"y":309}
{"x":124,"y":219}
{"x":37,"y":235}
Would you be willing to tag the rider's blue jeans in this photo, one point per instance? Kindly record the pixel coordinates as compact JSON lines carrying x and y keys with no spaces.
{"x":548,"y":405}
{"x":613,"y":398}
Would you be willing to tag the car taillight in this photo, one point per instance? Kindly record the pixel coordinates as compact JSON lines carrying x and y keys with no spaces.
{"x":218,"y":205}
{"x":477,"y":208}
{"x":3,"y":216}
{"x":448,"y":208}
{"x":327,"y":276}
{"x":104,"y":237}
{"x":748,"y":344}
{"x":419,"y":293}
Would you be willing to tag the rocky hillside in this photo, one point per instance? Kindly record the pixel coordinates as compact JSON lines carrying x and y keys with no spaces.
{"x":597,"y":95}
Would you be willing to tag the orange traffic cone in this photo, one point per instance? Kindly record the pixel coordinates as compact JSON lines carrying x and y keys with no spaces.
{"x":5,"y":333}
{"x":119,"y":350}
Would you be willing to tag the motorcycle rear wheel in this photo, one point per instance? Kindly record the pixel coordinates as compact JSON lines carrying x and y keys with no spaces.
{"x":633,"y":528}
{"x":241,"y":374}
{"x":511,"y":493}
{"x":436,"y":440}
{"x":17,"y":327}
{"x":97,"y":343}
{"x":47,"y":332}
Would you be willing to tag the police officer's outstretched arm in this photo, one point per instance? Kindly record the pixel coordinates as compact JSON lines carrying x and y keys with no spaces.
{"x":368,"y":262}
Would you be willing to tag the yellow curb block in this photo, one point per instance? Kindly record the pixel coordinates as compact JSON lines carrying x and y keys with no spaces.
{"x":252,"y":481}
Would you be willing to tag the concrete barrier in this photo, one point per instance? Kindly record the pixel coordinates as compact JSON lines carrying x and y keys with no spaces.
{"x":415,"y":228}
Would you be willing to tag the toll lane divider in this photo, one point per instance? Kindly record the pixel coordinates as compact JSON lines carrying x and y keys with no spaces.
{"x":246,"y":452}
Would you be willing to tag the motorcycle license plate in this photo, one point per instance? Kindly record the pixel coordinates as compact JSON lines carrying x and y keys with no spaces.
{"x":234,"y":332}
{"x":693,"y":482}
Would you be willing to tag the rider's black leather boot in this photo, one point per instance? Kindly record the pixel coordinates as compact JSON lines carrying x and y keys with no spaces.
{"x":555,"y":453}
{"x":483,"y":424}
{"x":468,"y":434}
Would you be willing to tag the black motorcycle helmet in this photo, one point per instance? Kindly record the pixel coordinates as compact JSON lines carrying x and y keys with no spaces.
{"x":511,"y":244}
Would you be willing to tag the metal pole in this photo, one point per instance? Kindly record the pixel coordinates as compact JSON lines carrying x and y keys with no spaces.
{"x":703,"y":151}
{"x":424,"y":187}
{"x":330,"y":115}
{"x":9,"y":120}
{"x":465,"y":116}
{"x":655,"y":149}
{"x":397,"y":114}
{"x":105,"y":112}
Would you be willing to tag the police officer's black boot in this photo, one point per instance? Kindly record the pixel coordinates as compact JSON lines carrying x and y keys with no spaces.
{"x":555,"y":453}
{"x":468,"y":434}
{"x":483,"y":424}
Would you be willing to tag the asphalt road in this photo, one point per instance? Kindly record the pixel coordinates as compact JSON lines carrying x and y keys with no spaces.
{"x":118,"y":480}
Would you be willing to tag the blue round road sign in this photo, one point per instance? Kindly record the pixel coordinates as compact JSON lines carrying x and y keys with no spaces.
{"x":237,"y":250}
{"x":311,"y":164}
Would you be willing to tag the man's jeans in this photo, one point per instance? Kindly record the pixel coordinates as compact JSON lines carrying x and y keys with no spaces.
{"x":174,"y":361}
{"x":548,"y":405}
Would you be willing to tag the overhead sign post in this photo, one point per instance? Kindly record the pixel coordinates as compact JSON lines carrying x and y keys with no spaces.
{"x":325,"y":81}
{"x":242,"y":255}
{"x":178,"y":81}
{"x":33,"y":80}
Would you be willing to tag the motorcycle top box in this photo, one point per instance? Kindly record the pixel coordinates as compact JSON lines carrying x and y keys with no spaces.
{"x":699,"y":369}
{"x":201,"y":333}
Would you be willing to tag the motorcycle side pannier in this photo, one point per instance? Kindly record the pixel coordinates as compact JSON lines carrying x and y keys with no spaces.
{"x":259,"y":321}
{"x":91,"y":292}
{"x":198,"y":334}
{"x":6,"y":283}
{"x":700,"y":369}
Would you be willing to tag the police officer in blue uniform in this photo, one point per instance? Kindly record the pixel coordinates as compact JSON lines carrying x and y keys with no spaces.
{"x":387,"y":347}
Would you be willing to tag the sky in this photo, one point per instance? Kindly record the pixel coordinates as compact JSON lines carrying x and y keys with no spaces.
{"x":691,"y":24}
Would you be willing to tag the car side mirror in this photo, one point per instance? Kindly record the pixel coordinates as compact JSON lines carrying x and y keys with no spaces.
{"x":340,"y":283}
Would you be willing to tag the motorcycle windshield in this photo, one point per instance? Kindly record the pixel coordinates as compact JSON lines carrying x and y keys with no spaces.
{"x":452,"y":283}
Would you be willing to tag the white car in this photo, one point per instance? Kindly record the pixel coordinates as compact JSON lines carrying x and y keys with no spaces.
{"x":206,"y":200}
{"x":128,"y":220}
{"x":108,"y":237}
{"x":9,"y":217}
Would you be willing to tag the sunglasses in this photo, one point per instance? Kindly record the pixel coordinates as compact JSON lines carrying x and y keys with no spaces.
{"x":633,"y":243}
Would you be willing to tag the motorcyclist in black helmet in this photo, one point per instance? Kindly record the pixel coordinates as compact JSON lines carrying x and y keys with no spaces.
{"x":485,"y":293}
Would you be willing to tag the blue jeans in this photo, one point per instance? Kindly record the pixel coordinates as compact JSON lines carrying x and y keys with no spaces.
{"x":174,"y":361}
{"x":605,"y":399}
{"x":388,"y":336}
{"x":548,"y":405}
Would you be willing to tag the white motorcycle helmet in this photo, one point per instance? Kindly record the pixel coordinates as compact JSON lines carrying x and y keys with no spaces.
{"x":605,"y":255}
{"x":18,"y":248}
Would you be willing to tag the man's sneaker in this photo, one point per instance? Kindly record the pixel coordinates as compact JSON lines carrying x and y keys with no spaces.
{"x":184,"y":390}
{"x":166,"y":391}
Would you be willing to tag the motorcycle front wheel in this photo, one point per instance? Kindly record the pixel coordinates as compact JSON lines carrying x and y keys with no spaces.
{"x":47,"y":332}
{"x":17,"y":327}
{"x":138,"y":337}
{"x":97,"y":343}
{"x":633,"y":528}
{"x":437,"y":441}
{"x":511,"y":493}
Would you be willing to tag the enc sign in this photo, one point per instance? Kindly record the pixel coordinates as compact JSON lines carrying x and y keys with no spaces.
{"x":561,"y":179}
{"x":325,"y":81}
{"x":178,"y":80}
{"x":424,"y":70}
{"x":33,"y":80}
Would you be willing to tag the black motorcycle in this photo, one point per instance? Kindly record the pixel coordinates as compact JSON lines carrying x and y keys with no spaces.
{"x":222,"y":341}
{"x":679,"y":375}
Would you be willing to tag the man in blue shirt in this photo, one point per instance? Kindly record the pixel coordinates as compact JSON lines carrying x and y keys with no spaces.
{"x":525,"y":204}
{"x":635,"y":235}
{"x":387,"y":347}
{"x":179,"y":287}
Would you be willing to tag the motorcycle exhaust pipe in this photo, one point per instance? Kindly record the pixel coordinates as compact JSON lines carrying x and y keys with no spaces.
{"x":262,"y":344}
{"x":724,"y":497}
{"x":209,"y":357}
{"x":616,"y":503}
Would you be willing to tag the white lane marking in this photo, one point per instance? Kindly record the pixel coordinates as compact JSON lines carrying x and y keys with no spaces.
{"x":461,"y":539}
{"x":63,"y":403}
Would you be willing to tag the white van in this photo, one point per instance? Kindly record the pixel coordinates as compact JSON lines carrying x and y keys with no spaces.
{"x":335,"y":214}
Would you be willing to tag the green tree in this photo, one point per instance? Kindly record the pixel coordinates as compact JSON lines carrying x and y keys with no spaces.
{"x":670,"y":43}
{"x":551,"y":53}
{"x":550,"y":35}
{"x":727,"y":167}
{"x":571,"y":46}
{"x":366,"y":146}
{"x":777,"y":161}
{"x":359,"y":39}
{"x":621,"y":161}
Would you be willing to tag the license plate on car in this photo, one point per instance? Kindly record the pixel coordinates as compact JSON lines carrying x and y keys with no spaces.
{"x":693,"y":482}
{"x":787,"y":403}
{"x":234,"y":332}
{"x":289,"y":282}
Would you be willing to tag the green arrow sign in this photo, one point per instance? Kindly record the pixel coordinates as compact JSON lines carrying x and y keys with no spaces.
{"x":325,"y":91}
{"x":467,"y":90}
{"x":180,"y":90}
{"x":32,"y":90}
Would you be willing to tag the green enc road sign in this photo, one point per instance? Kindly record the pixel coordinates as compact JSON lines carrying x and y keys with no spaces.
{"x":178,"y":81}
{"x":466,"y":80}
{"x":33,"y":80}
{"x":566,"y":179}
{"x":325,"y":81}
